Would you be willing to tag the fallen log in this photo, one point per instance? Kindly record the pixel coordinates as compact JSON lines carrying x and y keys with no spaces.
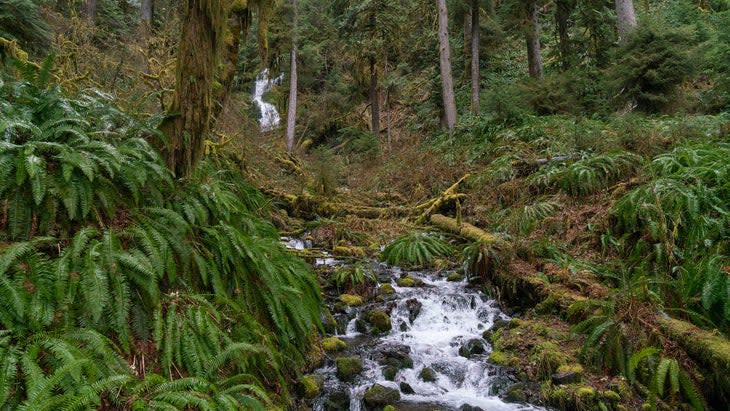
{"x":463,"y":229}
{"x":449,"y":195}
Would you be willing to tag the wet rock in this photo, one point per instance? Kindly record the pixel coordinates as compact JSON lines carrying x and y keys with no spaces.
{"x":311,"y":385}
{"x":455,"y":374}
{"x":348,"y":368}
{"x":414,"y":308}
{"x":407,"y":281}
{"x":380,"y":321}
{"x":387,"y":289}
{"x":406,"y":388}
{"x":389,"y":372}
{"x":516,"y":393}
{"x":331,"y":344}
{"x":380,"y":396}
{"x":337,"y":400}
{"x":568,"y":374}
{"x":361,"y":326}
{"x":329,"y":322}
{"x":428,"y":375}
{"x":454,"y":277}
{"x":351,"y":300}
{"x":501,"y":384}
{"x":471,"y":348}
{"x":395,"y":356}
{"x":403,"y":326}
{"x":467,"y":407}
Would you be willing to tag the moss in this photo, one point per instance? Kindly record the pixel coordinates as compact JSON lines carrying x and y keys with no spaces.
{"x":311,"y":385}
{"x":333,"y":344}
{"x":454,"y":277}
{"x":571,"y":368}
{"x":387,"y":289}
{"x":348,"y":367}
{"x":500,"y":358}
{"x":548,"y":357}
{"x":351,"y":300}
{"x":389,"y":408}
{"x":585,"y":393}
{"x":349,"y":251}
{"x":380,"y":321}
{"x":427,"y":374}
{"x":609,"y":395}
{"x":407,"y":281}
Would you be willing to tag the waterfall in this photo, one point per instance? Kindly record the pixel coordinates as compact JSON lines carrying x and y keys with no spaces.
{"x":269,"y":118}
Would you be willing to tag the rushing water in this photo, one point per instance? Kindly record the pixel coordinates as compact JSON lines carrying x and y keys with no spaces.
{"x":451,"y":315}
{"x":270,"y":118}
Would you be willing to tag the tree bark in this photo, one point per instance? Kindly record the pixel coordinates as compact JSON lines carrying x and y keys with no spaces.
{"x":291,"y":120}
{"x":562,"y":14}
{"x":475,"y":78}
{"x":467,"y":42}
{"x":374,"y":98}
{"x":147,"y":9}
{"x":189,"y":118}
{"x":447,"y":79}
{"x":626,"y":19}
{"x":89,"y":11}
{"x":534,"y":56}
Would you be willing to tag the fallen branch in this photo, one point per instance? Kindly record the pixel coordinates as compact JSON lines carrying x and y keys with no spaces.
{"x":463,"y":229}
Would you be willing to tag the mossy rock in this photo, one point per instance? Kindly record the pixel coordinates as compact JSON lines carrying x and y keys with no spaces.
{"x":311,"y":385}
{"x":516,"y":393}
{"x":380,"y":321}
{"x":611,"y":396}
{"x":548,"y":357}
{"x":380,"y":396}
{"x":568,"y":374}
{"x":348,"y":368}
{"x":427,"y":374}
{"x":351,"y":300}
{"x":331,"y":344}
{"x":454,"y":277}
{"x":345,"y":251}
{"x":406,"y":281}
{"x":585,"y":393}
{"x":389,"y":408}
{"x":500,"y":358}
{"x":387,"y":289}
{"x":389,"y":372}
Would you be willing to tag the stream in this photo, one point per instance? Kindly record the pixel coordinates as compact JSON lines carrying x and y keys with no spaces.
{"x":438,"y":326}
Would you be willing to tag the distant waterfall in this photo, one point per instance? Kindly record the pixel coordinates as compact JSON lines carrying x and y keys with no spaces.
{"x":269,"y":119}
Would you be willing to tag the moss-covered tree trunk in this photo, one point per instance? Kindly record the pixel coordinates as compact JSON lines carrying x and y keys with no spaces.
{"x":188,"y":122}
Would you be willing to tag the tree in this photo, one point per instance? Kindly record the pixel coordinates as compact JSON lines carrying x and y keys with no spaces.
{"x":532,"y":37}
{"x":293,"y":79}
{"x":563,"y":9}
{"x":626,"y":18}
{"x":89,"y":10}
{"x":147,"y":11}
{"x":447,"y":80}
{"x":188,"y":122}
{"x":475,"y":80}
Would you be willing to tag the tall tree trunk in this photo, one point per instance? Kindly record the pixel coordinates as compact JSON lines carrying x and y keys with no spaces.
{"x":447,"y":80}
{"x":534,"y":56}
{"x":387,"y":108}
{"x":147,"y":9}
{"x":562,"y":14}
{"x":626,"y":19}
{"x":374,"y":98}
{"x":291,"y":118}
{"x":89,"y":11}
{"x":189,"y":119}
{"x":467,"y":43}
{"x":475,"y":78}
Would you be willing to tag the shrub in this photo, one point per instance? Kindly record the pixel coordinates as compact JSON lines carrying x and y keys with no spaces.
{"x":415,"y":250}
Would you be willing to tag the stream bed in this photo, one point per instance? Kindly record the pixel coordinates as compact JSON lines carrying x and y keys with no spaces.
{"x":433,"y":358}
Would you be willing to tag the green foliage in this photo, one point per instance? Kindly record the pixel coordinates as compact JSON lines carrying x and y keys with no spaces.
{"x":126,"y":241}
{"x":21,"y":20}
{"x":652,"y":63}
{"x":347,"y":278}
{"x":416,"y":250}
{"x":589,"y":175}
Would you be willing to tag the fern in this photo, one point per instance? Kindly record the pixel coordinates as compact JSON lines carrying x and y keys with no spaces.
{"x":415,"y":250}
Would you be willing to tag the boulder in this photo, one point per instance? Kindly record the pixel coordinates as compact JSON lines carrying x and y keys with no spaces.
{"x":380,"y":396}
{"x":351,"y":300}
{"x":414,"y":308}
{"x":338,"y":399}
{"x":472,"y":347}
{"x":331,"y":344}
{"x":568,"y":374}
{"x":406,"y":388}
{"x":380,"y":321}
{"x":428,"y":375}
{"x":348,"y":368}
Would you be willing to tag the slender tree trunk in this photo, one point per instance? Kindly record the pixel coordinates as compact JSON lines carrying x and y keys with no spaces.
{"x":447,"y":79}
{"x":147,"y":9}
{"x":189,"y":120}
{"x":475,"y":78}
{"x":467,"y":43}
{"x":89,"y":11}
{"x":626,"y":19}
{"x":387,"y":109}
{"x":562,"y":14}
{"x":534,"y":56}
{"x":374,"y":98}
{"x":291,"y":118}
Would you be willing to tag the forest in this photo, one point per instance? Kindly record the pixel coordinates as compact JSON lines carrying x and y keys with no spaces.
{"x":370,"y":205}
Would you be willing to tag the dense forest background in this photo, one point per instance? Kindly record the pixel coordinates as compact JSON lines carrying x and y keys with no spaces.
{"x":141,"y":265}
